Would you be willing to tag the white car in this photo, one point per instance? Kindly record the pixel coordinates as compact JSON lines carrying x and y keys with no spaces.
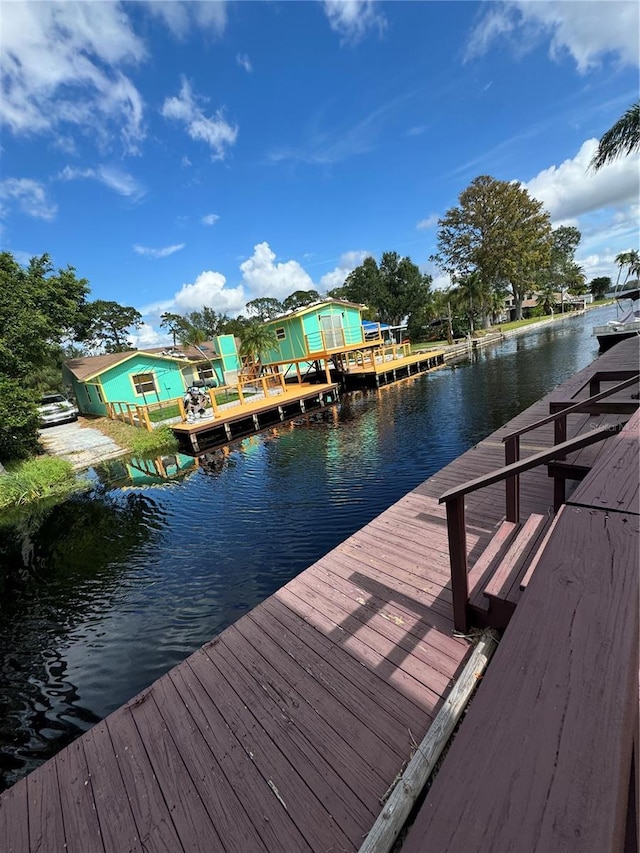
{"x":56,"y":409}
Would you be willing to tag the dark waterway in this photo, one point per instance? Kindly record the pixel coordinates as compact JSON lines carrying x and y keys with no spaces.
{"x":102,"y":594}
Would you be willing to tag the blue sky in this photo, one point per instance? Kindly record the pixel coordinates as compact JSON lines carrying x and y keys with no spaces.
{"x":181,"y":154}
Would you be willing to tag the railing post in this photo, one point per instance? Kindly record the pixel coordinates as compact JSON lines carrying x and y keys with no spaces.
{"x":512,"y":454}
{"x":458,"y":558}
{"x":594,"y":385}
{"x":560,"y":430}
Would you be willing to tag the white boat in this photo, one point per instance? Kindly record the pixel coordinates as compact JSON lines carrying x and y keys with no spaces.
{"x":626,"y":326}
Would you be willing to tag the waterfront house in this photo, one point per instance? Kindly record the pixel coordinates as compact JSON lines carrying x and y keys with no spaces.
{"x":143,"y":377}
{"x":316,"y":330}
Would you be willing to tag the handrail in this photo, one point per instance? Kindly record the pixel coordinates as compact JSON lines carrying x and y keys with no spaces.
{"x":580,"y":441}
{"x":559,"y":418}
{"x":576,"y":407}
{"x":456,"y":529}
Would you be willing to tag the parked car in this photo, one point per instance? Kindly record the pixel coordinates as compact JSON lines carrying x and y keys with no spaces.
{"x":56,"y":409}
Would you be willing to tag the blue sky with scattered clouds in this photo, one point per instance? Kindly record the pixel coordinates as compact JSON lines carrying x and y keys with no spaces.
{"x":182,"y":154}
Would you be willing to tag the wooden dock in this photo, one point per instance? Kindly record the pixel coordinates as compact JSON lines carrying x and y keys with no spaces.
{"x":372,"y":368}
{"x":287,"y":731}
{"x":236,"y":420}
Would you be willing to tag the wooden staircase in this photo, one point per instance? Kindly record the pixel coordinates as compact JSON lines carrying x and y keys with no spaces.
{"x":498,"y":577}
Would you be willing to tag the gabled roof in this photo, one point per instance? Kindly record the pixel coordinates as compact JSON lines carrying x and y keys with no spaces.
{"x":89,"y":366}
{"x":312,"y":306}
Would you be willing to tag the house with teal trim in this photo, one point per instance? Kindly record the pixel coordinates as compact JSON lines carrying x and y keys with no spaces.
{"x":316,"y":330}
{"x":142,"y":377}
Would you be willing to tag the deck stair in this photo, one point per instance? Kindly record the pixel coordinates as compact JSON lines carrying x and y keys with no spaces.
{"x":495,"y":580}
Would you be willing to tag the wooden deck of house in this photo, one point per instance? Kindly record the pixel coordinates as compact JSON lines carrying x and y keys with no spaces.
{"x":288,"y":729}
{"x":252,"y":414}
{"x":383,"y":365}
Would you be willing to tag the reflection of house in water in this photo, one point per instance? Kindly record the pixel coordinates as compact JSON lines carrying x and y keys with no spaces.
{"x":141,"y":473}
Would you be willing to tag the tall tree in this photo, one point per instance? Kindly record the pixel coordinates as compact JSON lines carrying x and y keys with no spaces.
{"x":39,"y":308}
{"x":174,"y":324}
{"x":563,"y":272}
{"x":110,"y":324}
{"x":392,"y":291}
{"x":300,"y":298}
{"x":264,"y":308}
{"x":499,"y":231}
{"x":629,"y":261}
{"x":620,"y":140}
{"x":600,"y":286}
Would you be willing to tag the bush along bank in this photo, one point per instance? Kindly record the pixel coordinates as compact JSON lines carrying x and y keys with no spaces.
{"x":43,"y":477}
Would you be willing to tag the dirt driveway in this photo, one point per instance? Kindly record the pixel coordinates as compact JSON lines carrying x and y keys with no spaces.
{"x":81,"y":445}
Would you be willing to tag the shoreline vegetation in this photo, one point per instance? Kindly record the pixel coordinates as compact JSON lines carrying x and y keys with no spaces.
{"x":44,"y":477}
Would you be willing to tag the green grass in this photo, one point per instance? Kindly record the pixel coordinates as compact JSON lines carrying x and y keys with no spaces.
{"x":164,"y":413}
{"x":42,"y":477}
{"x":135,"y":439}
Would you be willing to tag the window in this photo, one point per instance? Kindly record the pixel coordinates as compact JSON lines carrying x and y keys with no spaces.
{"x":144,"y":383}
{"x":206,"y":373}
{"x":281,"y":335}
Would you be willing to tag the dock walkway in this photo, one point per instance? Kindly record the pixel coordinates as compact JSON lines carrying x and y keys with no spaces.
{"x":285,"y":732}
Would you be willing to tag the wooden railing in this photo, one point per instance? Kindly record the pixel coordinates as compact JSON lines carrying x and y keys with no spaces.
{"x":559,"y":412}
{"x":454,"y":500}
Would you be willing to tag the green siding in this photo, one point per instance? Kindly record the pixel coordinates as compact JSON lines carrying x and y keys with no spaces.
{"x":171,"y":378}
{"x":304,"y":332}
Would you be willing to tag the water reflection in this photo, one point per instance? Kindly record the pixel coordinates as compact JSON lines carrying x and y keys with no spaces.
{"x":102,"y":594}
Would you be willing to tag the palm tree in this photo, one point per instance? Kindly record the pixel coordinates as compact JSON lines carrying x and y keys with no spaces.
{"x":621,"y":139}
{"x":630,"y":260}
{"x":255,"y":340}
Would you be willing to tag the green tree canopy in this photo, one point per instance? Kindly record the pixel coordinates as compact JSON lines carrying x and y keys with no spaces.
{"x":38,"y":310}
{"x":392,"y":291}
{"x":498,"y":230}
{"x":629,"y":261}
{"x":300,"y":298}
{"x":264,"y":308}
{"x":110,"y":324}
{"x":257,"y":339}
{"x":600,"y":286}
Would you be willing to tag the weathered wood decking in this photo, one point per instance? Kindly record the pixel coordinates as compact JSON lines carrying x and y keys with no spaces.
{"x":284,"y":732}
{"x":554,"y":722}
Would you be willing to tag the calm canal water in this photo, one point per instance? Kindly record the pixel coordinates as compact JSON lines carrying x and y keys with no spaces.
{"x":102,"y":594}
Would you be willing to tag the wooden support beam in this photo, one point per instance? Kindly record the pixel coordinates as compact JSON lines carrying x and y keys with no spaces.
{"x":382,"y":835}
{"x":457,"y":533}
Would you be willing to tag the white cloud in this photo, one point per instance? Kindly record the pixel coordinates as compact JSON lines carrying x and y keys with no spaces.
{"x":586,"y":31}
{"x":346,"y":264}
{"x":147,"y":336}
{"x":158,"y":253}
{"x":215,"y":131}
{"x":571,"y":189}
{"x":210,"y":219}
{"x":209,"y":289}
{"x":61,"y":68}
{"x":244,"y":62}
{"x":354,"y":19}
{"x":29,"y":196}
{"x":180,"y":17}
{"x":111,"y":176}
{"x":266,"y":278}
{"x":429,"y":222}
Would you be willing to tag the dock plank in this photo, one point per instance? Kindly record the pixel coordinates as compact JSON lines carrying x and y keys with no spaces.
{"x":294,"y":770}
{"x":113,"y":807}
{"x":46,"y":825}
{"x":82,"y":829}
{"x":14,"y":824}
{"x":275,"y":826}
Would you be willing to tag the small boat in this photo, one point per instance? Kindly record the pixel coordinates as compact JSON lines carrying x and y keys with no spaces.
{"x":627,"y":326}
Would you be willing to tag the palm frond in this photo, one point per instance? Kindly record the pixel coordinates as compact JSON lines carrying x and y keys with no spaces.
{"x":621,"y":139}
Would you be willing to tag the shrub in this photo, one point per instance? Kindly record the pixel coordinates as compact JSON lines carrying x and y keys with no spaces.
{"x":36,"y":479}
{"x":19,"y":421}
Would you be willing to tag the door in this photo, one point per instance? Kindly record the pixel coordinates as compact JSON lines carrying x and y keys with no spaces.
{"x":332,"y":332}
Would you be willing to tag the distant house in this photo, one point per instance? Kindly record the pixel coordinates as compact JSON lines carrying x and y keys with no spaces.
{"x":141,"y":377}
{"x":563,"y":302}
{"x":316,"y":330}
